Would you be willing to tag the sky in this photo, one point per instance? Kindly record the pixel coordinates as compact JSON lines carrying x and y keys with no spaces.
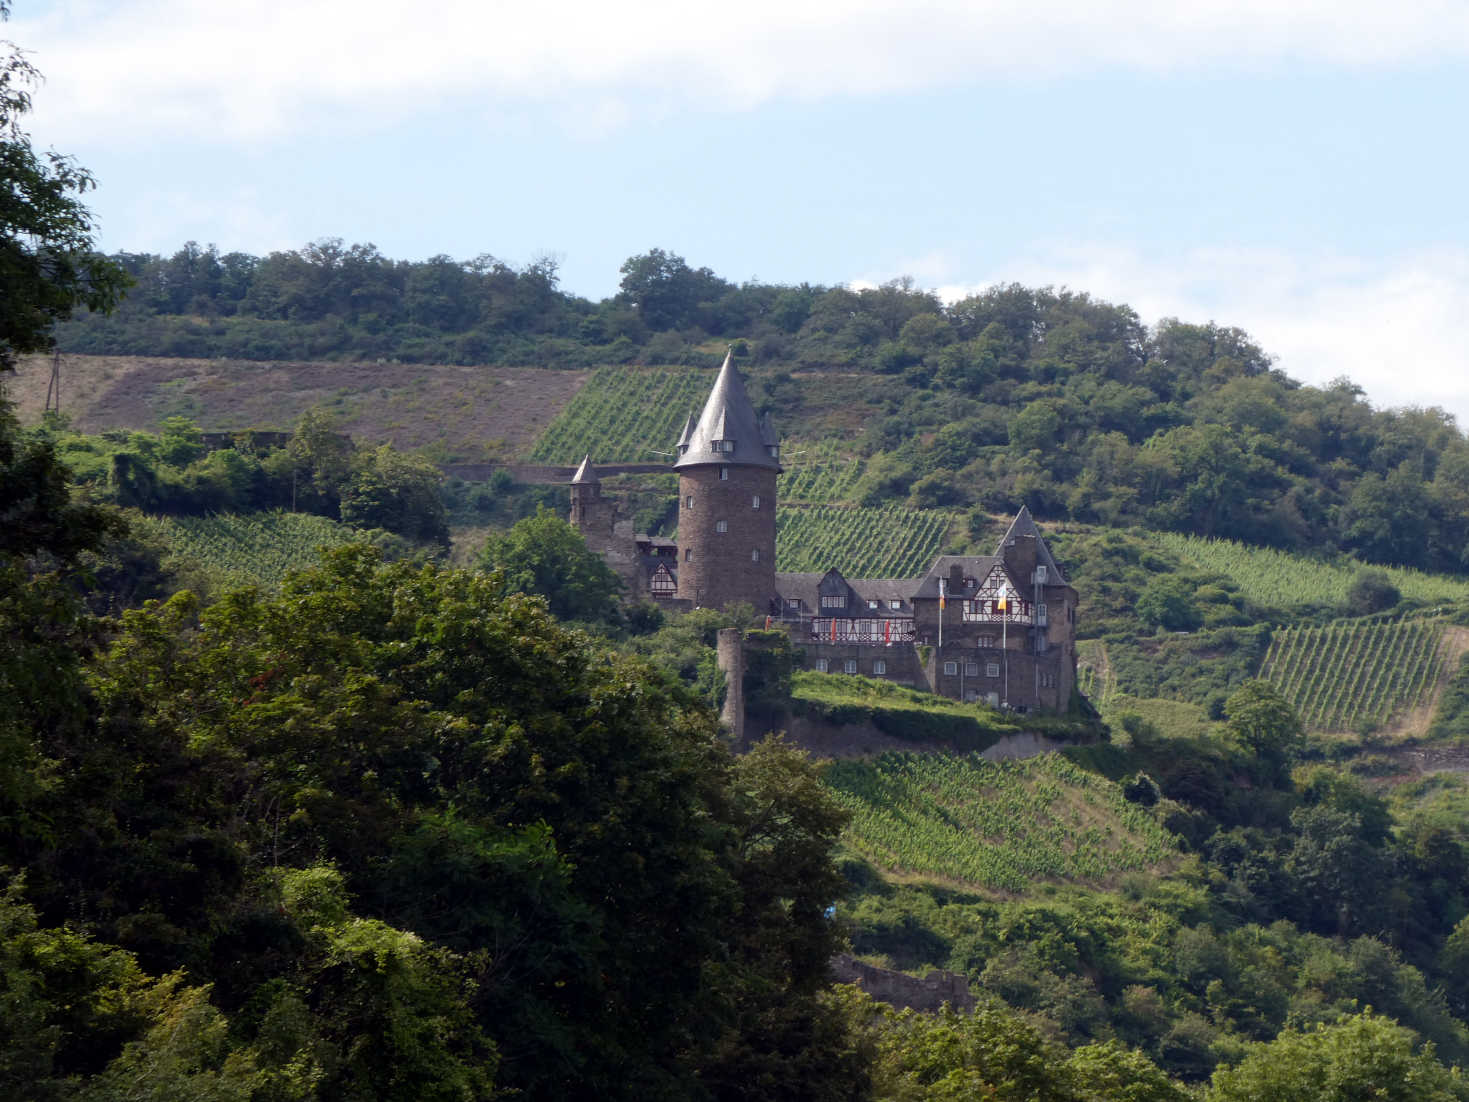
{"x":1296,"y":168}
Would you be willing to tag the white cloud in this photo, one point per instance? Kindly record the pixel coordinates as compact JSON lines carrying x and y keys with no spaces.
{"x":131,"y":69}
{"x":1394,"y":325}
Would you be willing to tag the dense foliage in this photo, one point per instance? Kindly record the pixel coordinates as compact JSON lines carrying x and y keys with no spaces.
{"x":406,"y":837}
{"x":177,"y":472}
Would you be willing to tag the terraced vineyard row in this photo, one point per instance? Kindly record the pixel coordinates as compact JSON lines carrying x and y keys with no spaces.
{"x":817,"y":473}
{"x":623,"y":412}
{"x":254,"y":549}
{"x":1355,"y":674}
{"x":889,"y":542}
{"x":1275,"y":579}
{"x":996,"y":824}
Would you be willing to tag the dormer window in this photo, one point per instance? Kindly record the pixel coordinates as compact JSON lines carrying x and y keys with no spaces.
{"x":833,"y":601}
{"x":723,"y":445}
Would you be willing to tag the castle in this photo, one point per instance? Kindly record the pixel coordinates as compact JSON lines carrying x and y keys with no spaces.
{"x":999,"y":628}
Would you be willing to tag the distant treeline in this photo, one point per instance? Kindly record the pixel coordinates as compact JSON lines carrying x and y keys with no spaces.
{"x":1017,"y":395}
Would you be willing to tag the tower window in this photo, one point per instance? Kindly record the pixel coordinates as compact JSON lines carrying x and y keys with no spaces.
{"x":755,"y":502}
{"x":724,"y":474}
{"x":755,"y":555}
{"x":688,"y":502}
{"x":688,"y":554}
{"x":721,"y":526}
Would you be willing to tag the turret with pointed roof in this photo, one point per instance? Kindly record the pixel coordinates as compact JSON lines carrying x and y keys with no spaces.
{"x":727,"y":430}
{"x":727,"y":464}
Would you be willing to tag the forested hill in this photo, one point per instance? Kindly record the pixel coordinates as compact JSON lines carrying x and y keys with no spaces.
{"x":1017,"y":395}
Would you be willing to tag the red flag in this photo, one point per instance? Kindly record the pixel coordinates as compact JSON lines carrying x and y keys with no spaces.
{"x":833,"y":629}
{"x":887,"y":632}
{"x":767,"y":623}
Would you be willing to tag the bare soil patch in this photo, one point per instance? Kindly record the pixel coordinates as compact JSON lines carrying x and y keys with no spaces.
{"x":461,"y":413}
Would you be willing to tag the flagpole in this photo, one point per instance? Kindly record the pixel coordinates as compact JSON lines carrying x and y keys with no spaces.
{"x":1005,"y":640}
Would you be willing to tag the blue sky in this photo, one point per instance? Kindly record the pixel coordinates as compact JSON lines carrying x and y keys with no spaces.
{"x":1295,"y":168}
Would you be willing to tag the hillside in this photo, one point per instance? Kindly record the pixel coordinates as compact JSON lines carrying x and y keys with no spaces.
{"x":457,"y":414}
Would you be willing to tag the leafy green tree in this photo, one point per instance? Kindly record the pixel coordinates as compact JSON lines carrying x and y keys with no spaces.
{"x":1363,"y":1057}
{"x":1371,"y":591}
{"x":544,"y":554}
{"x":1167,"y":602}
{"x":1263,"y":721}
{"x":388,"y":489}
{"x":48,"y":267}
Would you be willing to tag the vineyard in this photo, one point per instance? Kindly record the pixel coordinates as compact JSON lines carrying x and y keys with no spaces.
{"x":999,"y":825}
{"x":817,"y":473}
{"x":1354,"y":675}
{"x":624,"y":414}
{"x":240,"y":550}
{"x":1274,"y":579}
{"x":890,"y":542}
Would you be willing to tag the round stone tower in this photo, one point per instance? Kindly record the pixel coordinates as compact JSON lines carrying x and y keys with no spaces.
{"x":727,"y":464}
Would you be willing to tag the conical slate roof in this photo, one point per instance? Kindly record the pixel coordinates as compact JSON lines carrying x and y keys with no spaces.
{"x":1024,"y":525}
{"x":586,"y":474}
{"x":728,"y":420}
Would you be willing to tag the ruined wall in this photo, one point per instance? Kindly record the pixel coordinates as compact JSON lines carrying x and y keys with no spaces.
{"x":902,"y":990}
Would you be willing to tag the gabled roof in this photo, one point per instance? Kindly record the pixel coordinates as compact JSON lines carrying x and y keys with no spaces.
{"x":809,"y":588}
{"x":1024,"y":525}
{"x":586,"y":474}
{"x":977,"y":567}
{"x":728,"y":415}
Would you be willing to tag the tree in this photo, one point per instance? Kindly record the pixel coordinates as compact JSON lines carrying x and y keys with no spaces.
{"x":48,"y":266}
{"x":398,"y":492}
{"x":1364,"y":1057}
{"x":543,"y":554}
{"x":1168,"y":602}
{"x":665,"y":291}
{"x":1264,"y":721}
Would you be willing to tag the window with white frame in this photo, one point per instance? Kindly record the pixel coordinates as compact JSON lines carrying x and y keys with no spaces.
{"x":821,"y":665}
{"x":971,"y":669}
{"x":833,"y":600}
{"x":986,"y":641}
{"x":724,"y":474}
{"x":895,"y":604}
{"x":872,"y":604}
{"x":951,"y":669}
{"x":849,"y":666}
{"x":755,"y":555}
{"x":879,"y":667}
{"x":721,"y":526}
{"x":755,"y":502}
{"x":793,"y":603}
{"x":992,"y":669}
